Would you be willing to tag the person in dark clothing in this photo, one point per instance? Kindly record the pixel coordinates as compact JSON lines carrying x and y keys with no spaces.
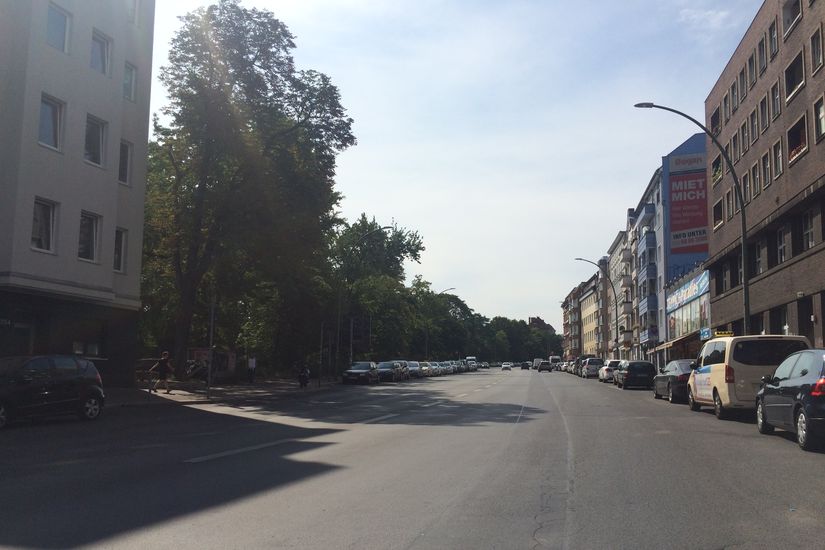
{"x":163,"y":368}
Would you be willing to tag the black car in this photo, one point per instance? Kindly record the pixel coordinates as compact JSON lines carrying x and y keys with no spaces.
{"x":390,"y":371}
{"x":49,"y":385}
{"x":672,"y":379}
{"x":525,"y":365}
{"x":362,"y":372}
{"x":634,"y":373}
{"x":793,"y":398}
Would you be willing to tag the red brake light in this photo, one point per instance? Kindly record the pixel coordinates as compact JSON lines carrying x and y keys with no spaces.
{"x":682,"y":378}
{"x":729,"y":378}
{"x":819,"y":388}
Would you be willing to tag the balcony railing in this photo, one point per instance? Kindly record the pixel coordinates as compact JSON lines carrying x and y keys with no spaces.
{"x":648,"y":303}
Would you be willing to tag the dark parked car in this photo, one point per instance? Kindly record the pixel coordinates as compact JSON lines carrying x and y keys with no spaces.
{"x":362,"y":372}
{"x":49,"y":385}
{"x":545,"y":365}
{"x":390,"y":371}
{"x":793,"y":398}
{"x":672,"y":379}
{"x":634,"y":373}
{"x":414,"y":368}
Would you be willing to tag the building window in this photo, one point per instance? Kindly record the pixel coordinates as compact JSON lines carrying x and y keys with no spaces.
{"x":745,"y":137}
{"x":773,"y":39}
{"x":718,"y":214}
{"x":763,"y":57}
{"x":816,"y":51}
{"x":87,"y":243}
{"x":763,"y":114}
{"x":819,"y":119}
{"x":726,"y":107}
{"x":746,"y":187}
{"x":757,"y":259}
{"x":791,"y":14}
{"x":120,"y":250}
{"x":101,"y":47}
{"x":755,"y":185}
{"x":43,"y":225}
{"x":777,"y":159}
{"x":794,"y":77}
{"x":776,"y":101}
{"x":124,"y":167}
{"x":716,"y":169}
{"x":766,"y":170}
{"x":734,"y":146}
{"x":57,"y":29}
{"x":797,"y":139}
{"x":729,"y":203}
{"x":50,"y":132}
{"x":743,"y":84}
{"x":780,"y":245}
{"x":95,"y":140}
{"x":807,"y":230}
{"x":715,"y":122}
{"x":754,"y":123}
{"x":129,"y":81}
{"x":752,"y":70}
{"x":734,"y":96}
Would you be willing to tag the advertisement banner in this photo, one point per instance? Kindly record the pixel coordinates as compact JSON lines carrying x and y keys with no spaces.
{"x":689,"y":291}
{"x":688,"y":213}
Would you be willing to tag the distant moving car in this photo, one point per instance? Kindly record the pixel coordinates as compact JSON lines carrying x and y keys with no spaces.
{"x":47,"y":385}
{"x":671,"y":380}
{"x":545,"y":365}
{"x":362,"y":372}
{"x":506,"y":366}
{"x":525,"y":365}
{"x":793,"y":399}
{"x":635,"y":373}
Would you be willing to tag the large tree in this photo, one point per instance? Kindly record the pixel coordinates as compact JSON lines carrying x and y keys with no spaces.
{"x":243,"y":170}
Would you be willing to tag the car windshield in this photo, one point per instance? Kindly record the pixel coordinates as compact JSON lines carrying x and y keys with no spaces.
{"x":641,"y":367}
{"x":764,"y":351}
{"x":386,"y":365}
{"x":682,"y":365}
{"x":595,"y":362}
{"x":360,"y":366}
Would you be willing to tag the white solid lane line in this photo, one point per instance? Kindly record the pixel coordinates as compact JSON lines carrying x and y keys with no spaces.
{"x":462,"y":395}
{"x":237,"y":451}
{"x":380,"y":418}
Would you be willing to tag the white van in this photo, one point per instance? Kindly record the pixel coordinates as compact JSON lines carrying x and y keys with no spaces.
{"x":728,"y":372}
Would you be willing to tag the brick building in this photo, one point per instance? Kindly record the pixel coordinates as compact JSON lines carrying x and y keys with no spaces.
{"x":767,"y":109}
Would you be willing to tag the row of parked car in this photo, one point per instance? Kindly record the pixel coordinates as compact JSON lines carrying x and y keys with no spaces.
{"x":779,"y":378}
{"x":369,"y":372}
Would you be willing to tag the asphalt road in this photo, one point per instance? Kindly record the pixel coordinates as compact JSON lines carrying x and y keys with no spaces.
{"x":479,"y":460}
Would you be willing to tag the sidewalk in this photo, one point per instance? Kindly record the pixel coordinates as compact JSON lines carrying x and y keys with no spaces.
{"x":192,"y":393}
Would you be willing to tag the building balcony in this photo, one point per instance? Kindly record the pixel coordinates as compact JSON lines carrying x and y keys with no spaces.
{"x":648,"y":303}
{"x":646,"y":242}
{"x":627,"y":255}
{"x":649,"y":336}
{"x":646,"y":215}
{"x":625,"y":308}
{"x":647,"y":272}
{"x":625,"y":281}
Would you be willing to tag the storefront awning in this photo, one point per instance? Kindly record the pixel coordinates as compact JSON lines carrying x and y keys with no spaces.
{"x":675,"y":341}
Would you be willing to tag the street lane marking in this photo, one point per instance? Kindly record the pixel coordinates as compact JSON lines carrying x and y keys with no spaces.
{"x":237,"y":451}
{"x":378,"y":419}
{"x":479,"y":389}
{"x":462,"y":395}
{"x":429,"y":405}
{"x":520,"y":413}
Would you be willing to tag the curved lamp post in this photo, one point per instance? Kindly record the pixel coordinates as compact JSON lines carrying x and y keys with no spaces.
{"x":746,"y":301}
{"x":615,"y":299}
{"x":340,"y":299}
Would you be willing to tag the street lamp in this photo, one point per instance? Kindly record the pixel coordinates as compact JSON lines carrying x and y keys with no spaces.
{"x":427,"y":329}
{"x":340,"y":299}
{"x":615,"y":299}
{"x":746,"y":300}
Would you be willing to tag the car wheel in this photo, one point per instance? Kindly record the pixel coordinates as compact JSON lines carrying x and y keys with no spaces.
{"x":670,"y":397}
{"x":761,"y":424}
{"x":804,"y":437}
{"x":4,"y":416}
{"x":91,"y":408}
{"x":655,"y":393}
{"x":718,"y":409}
{"x":694,"y":406}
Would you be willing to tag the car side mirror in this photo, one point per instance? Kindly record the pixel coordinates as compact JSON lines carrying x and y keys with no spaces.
{"x":661,"y":370}
{"x":694,"y":366}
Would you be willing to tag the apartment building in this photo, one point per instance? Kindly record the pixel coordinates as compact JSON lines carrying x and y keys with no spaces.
{"x":75,"y":81}
{"x":619,"y":265}
{"x":591,"y":317}
{"x":767,"y":109}
{"x":571,"y":324}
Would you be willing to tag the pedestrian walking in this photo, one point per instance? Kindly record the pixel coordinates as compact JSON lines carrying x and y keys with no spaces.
{"x":163,"y":369}
{"x":251,"y":365}
{"x":303,"y":377}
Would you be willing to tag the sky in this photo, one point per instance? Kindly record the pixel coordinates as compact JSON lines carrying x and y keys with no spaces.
{"x":504,"y":131}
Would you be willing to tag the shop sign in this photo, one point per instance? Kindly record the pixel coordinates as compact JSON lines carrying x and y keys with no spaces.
{"x":689,"y":291}
{"x":704,"y":333}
